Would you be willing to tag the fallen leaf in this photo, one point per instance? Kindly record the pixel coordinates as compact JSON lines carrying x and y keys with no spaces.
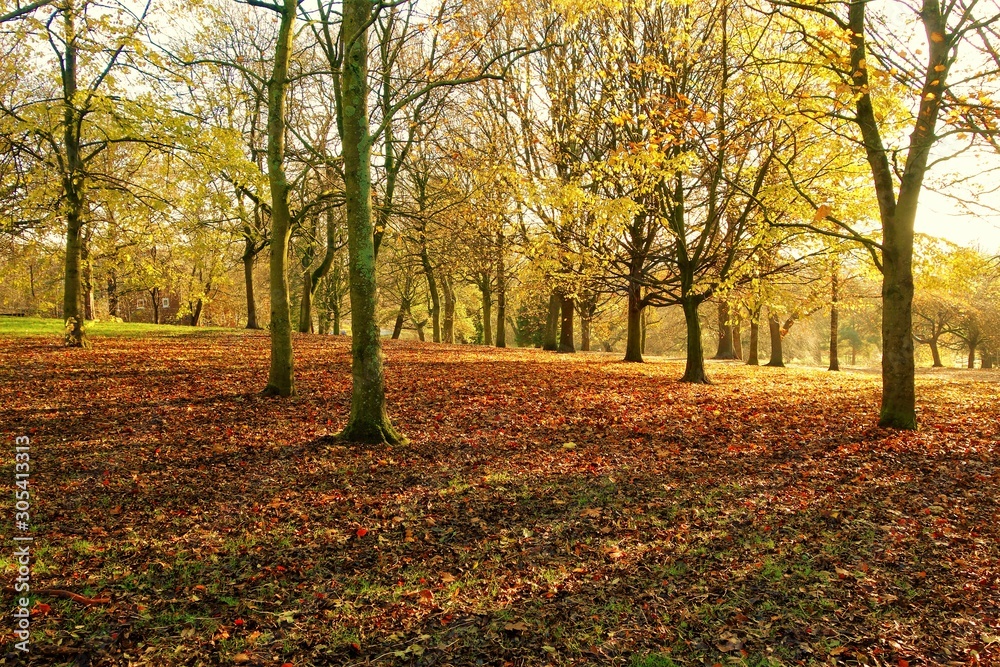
{"x":728,"y":643}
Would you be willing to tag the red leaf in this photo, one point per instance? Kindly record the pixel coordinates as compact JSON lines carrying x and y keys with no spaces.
{"x":361,"y":532}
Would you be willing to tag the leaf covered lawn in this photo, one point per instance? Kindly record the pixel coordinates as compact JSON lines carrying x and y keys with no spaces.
{"x":549,"y":509}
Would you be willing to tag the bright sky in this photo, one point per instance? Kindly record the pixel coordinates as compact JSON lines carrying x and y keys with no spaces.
{"x":968,"y":177}
{"x":941,"y":216}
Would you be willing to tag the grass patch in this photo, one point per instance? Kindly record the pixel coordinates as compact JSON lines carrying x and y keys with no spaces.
{"x":21,"y":327}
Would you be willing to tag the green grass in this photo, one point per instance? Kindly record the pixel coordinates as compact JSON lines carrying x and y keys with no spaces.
{"x":652,"y":660}
{"x":20,"y":327}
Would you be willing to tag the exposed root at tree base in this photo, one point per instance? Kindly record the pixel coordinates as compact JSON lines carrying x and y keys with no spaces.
{"x":380,"y":433}
{"x":272,"y":391}
{"x":898,"y":422}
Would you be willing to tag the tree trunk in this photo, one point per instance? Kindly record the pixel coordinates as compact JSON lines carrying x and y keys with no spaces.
{"x":73,"y":314}
{"x":737,"y":340}
{"x":313,"y":279}
{"x":566,"y":343}
{"x":501,"y":317}
{"x":155,"y":293}
{"x":248,"y":262}
{"x":369,"y":420}
{"x":305,"y":305}
{"x":86,"y":281}
{"x":633,"y":341}
{"x":549,"y":341}
{"x":112,"y":294}
{"x":501,"y":299}
{"x":449,"y":310}
{"x":585,"y":324}
{"x":484,"y":288}
{"x":898,"y":372}
{"x":400,"y":318}
{"x":335,"y":307}
{"x":642,"y":331}
{"x":199,"y":306}
{"x":774,"y":329}
{"x":897,"y":214}
{"x":753,"y":359}
{"x":726,"y":349}
{"x":425,"y":262}
{"x":73,"y":189}
{"x":935,"y":352}
{"x":323,"y":311}
{"x":281,"y":376}
{"x":972,"y":355}
{"x":987,"y":359}
{"x":834,"y":322}
{"x":694,"y":369}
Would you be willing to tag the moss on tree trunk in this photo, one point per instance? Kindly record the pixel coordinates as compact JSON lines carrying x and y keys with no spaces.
{"x":369,"y":421}
{"x":281,"y":377}
{"x":694,"y":368}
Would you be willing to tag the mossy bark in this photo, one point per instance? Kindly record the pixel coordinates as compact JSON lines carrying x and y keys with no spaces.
{"x":248,"y":261}
{"x":432,"y":289}
{"x":694,"y":368}
{"x":74,"y":189}
{"x":369,"y":420}
{"x":281,"y":377}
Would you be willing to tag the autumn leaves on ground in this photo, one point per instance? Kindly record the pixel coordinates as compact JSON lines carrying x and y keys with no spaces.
{"x":548,"y":510}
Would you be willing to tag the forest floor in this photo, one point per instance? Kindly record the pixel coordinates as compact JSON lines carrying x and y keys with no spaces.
{"x":548,"y":510}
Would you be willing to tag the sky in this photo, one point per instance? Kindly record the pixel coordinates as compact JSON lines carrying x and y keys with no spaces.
{"x":940,"y":216}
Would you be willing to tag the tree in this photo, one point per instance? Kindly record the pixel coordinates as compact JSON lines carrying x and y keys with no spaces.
{"x":873,"y":61}
{"x":71,"y":144}
{"x":281,"y":380}
{"x":369,"y":420}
